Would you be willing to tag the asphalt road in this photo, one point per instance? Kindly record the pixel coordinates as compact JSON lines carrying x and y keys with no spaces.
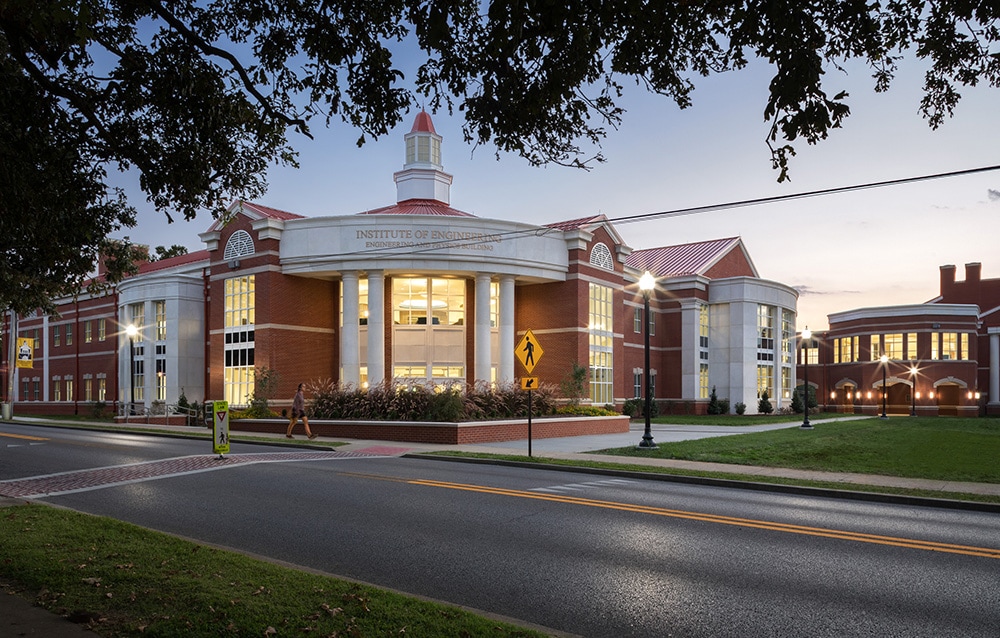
{"x":589,"y":555}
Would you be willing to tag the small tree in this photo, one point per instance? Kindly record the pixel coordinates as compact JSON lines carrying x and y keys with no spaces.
{"x":796,"y":402}
{"x":574,"y":385}
{"x":764,"y":405}
{"x":266,"y":382}
{"x":713,"y":403}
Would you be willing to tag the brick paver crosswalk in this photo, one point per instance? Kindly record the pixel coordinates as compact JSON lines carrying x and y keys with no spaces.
{"x":89,"y":479}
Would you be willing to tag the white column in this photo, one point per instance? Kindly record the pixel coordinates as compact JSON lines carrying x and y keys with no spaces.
{"x":376,"y":327}
{"x":506,"y":329}
{"x":994,"y":365}
{"x":481,"y":341}
{"x":350,"y":350}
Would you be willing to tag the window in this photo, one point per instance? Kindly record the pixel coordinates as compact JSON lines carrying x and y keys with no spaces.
{"x":786,"y":383}
{"x":160,"y":311}
{"x":637,"y":384}
{"x":703,"y":326}
{"x":637,"y":321}
{"x":161,"y":379}
{"x":876,"y":350}
{"x":69,"y":334}
{"x":836,"y":350}
{"x":69,"y":389}
{"x":601,"y":328}
{"x":137,"y":317}
{"x":600,"y":256}
{"x":911,"y":345}
{"x":24,"y":390}
{"x":964,"y":348}
{"x":238,"y":374}
{"x":102,"y":388}
{"x":102,"y":330}
{"x":765,"y":379}
{"x":38,"y":389}
{"x":422,"y":301}
{"x":949,"y":345}
{"x":894,"y":346}
{"x":88,"y":390}
{"x":138,"y":377}
{"x":56,"y":339}
{"x":765,"y":328}
{"x":787,"y":336}
{"x":87,"y":334}
{"x":935,"y":346}
{"x":56,"y":389}
{"x":240,"y":244}
{"x":703,"y":380}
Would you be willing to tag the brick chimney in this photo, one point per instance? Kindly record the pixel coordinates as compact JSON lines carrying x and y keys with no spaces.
{"x":947,"y":279}
{"x":973,"y":273}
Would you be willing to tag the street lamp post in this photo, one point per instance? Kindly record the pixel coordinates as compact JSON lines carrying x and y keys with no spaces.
{"x":806,"y":336}
{"x":885,"y":364}
{"x":131,"y":331}
{"x":913,"y":390}
{"x":646,"y":284}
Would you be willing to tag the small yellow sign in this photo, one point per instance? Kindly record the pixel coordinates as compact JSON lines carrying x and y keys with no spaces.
{"x":220,"y":427}
{"x":529,"y":383}
{"x":25,"y":352}
{"x":528,"y":351}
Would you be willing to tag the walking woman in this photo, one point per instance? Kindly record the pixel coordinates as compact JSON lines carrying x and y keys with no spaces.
{"x":299,"y":412}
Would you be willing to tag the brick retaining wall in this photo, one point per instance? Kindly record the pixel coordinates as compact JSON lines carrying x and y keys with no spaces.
{"x":446,"y":433}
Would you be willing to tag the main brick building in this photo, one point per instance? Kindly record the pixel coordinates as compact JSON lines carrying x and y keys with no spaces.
{"x":419,"y":291}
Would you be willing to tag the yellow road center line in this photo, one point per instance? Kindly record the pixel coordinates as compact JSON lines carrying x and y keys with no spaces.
{"x":23,"y":436}
{"x":932,"y":546}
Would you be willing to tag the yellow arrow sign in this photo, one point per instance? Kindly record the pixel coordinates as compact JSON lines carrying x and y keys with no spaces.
{"x":529,"y":383}
{"x":528,"y":351}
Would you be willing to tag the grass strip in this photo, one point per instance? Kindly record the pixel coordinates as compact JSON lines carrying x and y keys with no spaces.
{"x":743,"y":420}
{"x":754,"y":478}
{"x":124,"y":580}
{"x":938,"y":448}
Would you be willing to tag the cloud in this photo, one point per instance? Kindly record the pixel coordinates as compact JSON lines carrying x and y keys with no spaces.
{"x":806,"y":290}
{"x":993,"y":194}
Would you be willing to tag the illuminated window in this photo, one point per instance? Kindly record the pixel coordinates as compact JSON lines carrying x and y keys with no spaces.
{"x":836,"y":350}
{"x":911,"y":345}
{"x":703,"y":380}
{"x":102,"y":329}
{"x":102,"y":388}
{"x":69,"y":388}
{"x":601,"y":329}
{"x":894,"y":346}
{"x":238,"y":374}
{"x":88,"y":390}
{"x":160,"y":310}
{"x":137,"y":313}
{"x":964,"y":349}
{"x":949,"y":345}
{"x":765,"y":379}
{"x":56,"y":387}
{"x":87,"y":335}
{"x":876,"y":350}
{"x":935,"y":345}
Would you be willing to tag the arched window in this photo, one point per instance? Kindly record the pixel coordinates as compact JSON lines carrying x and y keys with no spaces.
{"x":600,"y":256}
{"x":240,"y":244}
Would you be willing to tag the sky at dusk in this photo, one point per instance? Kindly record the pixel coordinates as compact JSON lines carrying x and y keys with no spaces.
{"x":865,"y":248}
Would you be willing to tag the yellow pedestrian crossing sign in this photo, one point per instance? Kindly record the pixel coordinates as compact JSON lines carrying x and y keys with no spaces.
{"x":528,"y":351}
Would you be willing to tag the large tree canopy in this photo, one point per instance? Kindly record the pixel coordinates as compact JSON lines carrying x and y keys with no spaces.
{"x":200,"y":96}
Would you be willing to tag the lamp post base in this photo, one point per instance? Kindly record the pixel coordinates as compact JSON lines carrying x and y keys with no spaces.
{"x":806,"y":425}
{"x":647,"y":442}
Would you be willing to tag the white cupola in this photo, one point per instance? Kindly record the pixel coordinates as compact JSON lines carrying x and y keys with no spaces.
{"x":423,"y":175}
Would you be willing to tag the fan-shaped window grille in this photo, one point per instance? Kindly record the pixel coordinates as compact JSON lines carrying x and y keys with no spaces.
{"x":240,"y":244}
{"x":600,"y":256}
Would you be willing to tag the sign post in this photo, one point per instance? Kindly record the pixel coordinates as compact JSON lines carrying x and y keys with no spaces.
{"x":220,"y":428}
{"x":528,"y":351}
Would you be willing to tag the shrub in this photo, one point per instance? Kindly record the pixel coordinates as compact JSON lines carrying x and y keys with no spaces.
{"x":98,"y":408}
{"x":764,"y":405}
{"x":585,"y":410}
{"x":741,"y":408}
{"x":713,"y":403}
{"x":723,"y":406}
{"x":574,"y":385}
{"x":633,"y":407}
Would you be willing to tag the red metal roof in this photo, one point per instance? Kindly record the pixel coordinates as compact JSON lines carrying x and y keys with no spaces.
{"x":685,"y":259}
{"x":423,"y":123}
{"x":574,"y":224}
{"x":267,"y":211}
{"x":418,"y":207}
{"x":170,"y":262}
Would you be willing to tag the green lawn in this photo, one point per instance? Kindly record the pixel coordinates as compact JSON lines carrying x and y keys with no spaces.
{"x":130,"y":581}
{"x":950,"y":449}
{"x":735,"y":419}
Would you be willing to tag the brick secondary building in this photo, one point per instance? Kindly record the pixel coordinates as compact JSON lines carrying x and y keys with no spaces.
{"x":942,"y":356}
